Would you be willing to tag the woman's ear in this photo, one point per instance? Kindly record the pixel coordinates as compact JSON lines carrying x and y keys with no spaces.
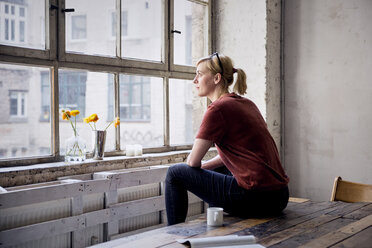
{"x":217,"y":78}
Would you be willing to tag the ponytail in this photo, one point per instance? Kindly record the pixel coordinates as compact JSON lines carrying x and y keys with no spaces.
{"x":240,"y":86}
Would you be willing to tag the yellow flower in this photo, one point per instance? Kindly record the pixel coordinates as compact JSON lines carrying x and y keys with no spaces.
{"x":117,"y":121}
{"x":75,"y":112}
{"x":66,"y":115}
{"x":93,"y":118}
{"x":86,"y":120}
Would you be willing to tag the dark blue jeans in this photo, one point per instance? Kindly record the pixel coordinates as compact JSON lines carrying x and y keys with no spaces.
{"x":219,"y":189}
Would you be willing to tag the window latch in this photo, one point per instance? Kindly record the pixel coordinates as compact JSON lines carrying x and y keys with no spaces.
{"x":53,"y":7}
{"x":68,"y":10}
{"x":176,"y":31}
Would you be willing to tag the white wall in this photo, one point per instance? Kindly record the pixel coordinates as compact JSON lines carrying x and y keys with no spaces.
{"x":328,"y":94}
{"x":240,"y":34}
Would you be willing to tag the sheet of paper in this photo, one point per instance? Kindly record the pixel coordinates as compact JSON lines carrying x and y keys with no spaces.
{"x":222,"y":241}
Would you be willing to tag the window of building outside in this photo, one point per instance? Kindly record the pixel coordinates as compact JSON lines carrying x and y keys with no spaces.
{"x":22,"y":132}
{"x":17,"y":17}
{"x":78,"y":27}
{"x":18,"y":103}
{"x":124,"y":23}
{"x":157,"y":103}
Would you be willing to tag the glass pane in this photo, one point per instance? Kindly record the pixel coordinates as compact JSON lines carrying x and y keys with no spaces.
{"x":142,"y":29}
{"x":89,"y":93}
{"x":88,"y":28}
{"x":141,"y":111}
{"x":186,"y":110}
{"x":25,"y":128}
{"x":191,"y":19}
{"x":22,"y":23}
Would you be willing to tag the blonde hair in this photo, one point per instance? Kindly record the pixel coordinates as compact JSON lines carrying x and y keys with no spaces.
{"x":227,"y":72}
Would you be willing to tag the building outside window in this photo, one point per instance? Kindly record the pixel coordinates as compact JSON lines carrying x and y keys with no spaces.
{"x":72,"y":90}
{"x":45,"y":96}
{"x":78,"y":27}
{"x":152,"y":82}
{"x":124,"y":23}
{"x":135,"y":93}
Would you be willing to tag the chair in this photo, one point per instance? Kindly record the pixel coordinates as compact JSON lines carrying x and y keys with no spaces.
{"x":351,"y":192}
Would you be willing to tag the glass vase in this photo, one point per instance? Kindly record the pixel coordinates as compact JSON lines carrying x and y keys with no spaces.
{"x":75,"y":149}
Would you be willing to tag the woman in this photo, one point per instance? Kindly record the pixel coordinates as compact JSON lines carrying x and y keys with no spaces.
{"x":246,"y":178}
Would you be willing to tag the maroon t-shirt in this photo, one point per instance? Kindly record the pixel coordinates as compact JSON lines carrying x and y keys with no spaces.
{"x":244,"y":143}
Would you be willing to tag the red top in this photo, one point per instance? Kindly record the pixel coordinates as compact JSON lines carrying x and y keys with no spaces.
{"x":244,"y":143}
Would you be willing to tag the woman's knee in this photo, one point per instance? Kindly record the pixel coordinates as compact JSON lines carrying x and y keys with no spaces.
{"x":175,"y":170}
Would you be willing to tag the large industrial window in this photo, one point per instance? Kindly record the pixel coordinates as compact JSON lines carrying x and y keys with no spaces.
{"x":133,"y":59}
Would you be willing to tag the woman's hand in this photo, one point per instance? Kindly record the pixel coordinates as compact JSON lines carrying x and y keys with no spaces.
{"x":213,"y":163}
{"x":198,"y":151}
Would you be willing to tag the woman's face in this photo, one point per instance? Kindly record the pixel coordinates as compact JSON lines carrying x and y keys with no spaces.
{"x":204,"y":80}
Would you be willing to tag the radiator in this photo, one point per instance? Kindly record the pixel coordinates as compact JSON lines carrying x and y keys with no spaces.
{"x":45,"y":211}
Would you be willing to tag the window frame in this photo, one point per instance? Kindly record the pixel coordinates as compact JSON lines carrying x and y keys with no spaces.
{"x":116,"y":65}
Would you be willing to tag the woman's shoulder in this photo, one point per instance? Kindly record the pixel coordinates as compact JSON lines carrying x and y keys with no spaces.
{"x":231,"y":99}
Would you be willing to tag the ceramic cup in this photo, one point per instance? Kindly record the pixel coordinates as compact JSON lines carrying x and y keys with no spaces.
{"x":214,"y":216}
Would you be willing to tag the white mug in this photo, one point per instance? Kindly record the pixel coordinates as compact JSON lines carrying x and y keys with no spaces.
{"x":214,"y":216}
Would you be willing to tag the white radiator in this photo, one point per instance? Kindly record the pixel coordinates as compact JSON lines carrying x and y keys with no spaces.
{"x":18,"y":216}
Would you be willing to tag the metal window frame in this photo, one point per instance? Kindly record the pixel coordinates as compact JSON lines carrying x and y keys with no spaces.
{"x":55,"y":57}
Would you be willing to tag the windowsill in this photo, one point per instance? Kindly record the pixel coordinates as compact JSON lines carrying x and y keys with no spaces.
{"x":18,"y":119}
{"x":46,"y":172}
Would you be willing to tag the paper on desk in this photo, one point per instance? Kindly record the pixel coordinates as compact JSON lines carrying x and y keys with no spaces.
{"x":221,"y":241}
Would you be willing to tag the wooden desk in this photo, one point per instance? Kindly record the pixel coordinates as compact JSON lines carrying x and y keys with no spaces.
{"x":306,"y":224}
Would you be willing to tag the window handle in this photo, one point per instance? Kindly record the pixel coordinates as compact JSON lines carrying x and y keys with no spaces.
{"x":68,"y":10}
{"x":176,"y":31}
{"x":53,"y":7}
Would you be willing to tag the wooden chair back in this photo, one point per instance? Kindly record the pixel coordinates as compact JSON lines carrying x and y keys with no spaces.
{"x":351,"y":192}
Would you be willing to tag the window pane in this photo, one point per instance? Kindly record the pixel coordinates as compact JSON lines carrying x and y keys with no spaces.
{"x":186,"y":110}
{"x":87,"y":92}
{"x":191,"y":19}
{"x":21,"y":31}
{"x":23,"y":131}
{"x":22,"y":23}
{"x":141,"y":111}
{"x":88,"y":29}
{"x":142,"y":29}
{"x":79,"y":27}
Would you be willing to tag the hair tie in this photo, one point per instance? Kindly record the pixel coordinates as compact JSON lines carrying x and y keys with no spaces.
{"x":234,"y":70}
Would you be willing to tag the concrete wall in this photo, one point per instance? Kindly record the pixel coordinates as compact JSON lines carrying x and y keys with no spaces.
{"x":239,"y":32}
{"x":249,"y":32}
{"x":328,"y":94}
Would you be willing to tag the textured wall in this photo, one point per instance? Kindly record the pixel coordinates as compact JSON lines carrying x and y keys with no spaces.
{"x":240,"y":30}
{"x":328,"y":62}
{"x":249,"y":32}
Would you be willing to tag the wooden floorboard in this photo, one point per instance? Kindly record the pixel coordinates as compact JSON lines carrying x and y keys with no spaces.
{"x":341,"y":234}
{"x":290,"y":218}
{"x":311,"y":234}
{"x":302,"y":224}
{"x":269,"y":234}
{"x":362,"y":239}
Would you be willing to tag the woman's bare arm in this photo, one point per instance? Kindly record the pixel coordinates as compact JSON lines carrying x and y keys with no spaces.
{"x":199,"y":149}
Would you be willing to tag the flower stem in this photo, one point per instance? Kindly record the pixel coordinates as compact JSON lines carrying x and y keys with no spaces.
{"x":109,"y":125}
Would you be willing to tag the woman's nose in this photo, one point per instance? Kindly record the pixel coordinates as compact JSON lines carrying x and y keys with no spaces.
{"x":195,"y":79}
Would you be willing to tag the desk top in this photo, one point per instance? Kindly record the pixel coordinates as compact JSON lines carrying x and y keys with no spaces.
{"x":303,"y":223}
